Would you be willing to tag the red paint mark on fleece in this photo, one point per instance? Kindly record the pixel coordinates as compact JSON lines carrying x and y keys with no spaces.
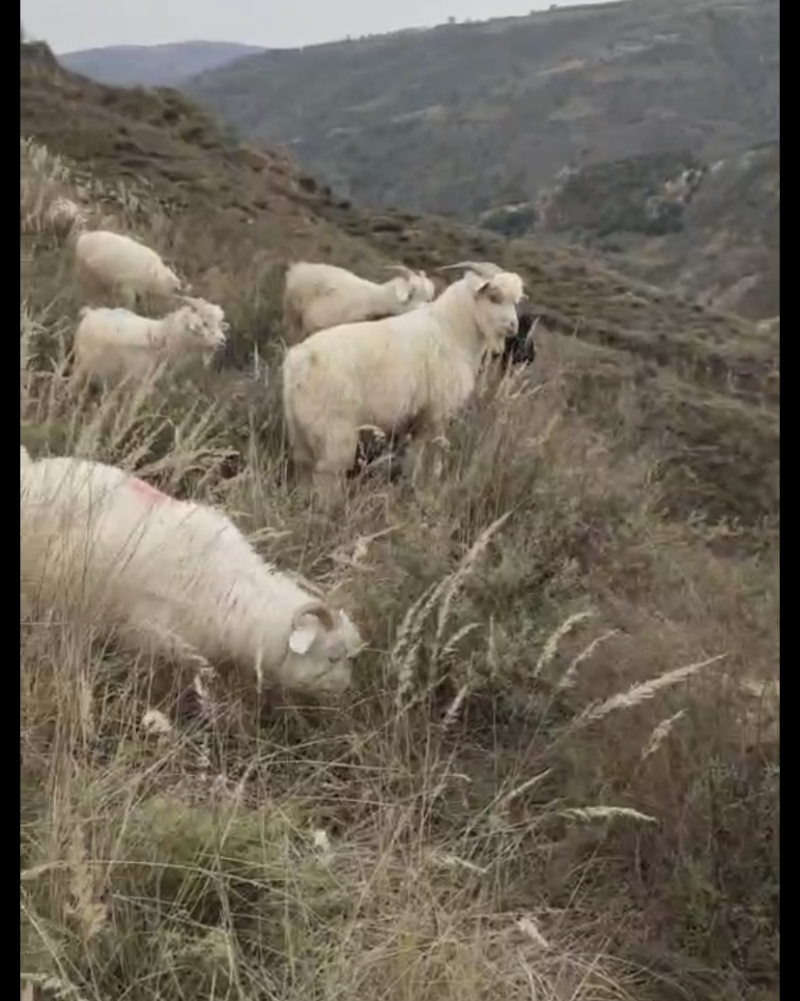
{"x":147,"y":491}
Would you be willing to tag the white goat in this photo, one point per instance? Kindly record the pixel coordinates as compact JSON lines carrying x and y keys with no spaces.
{"x":113,"y":343}
{"x":111,"y":263}
{"x":402,"y":373}
{"x":317,"y":296}
{"x":172,"y":576}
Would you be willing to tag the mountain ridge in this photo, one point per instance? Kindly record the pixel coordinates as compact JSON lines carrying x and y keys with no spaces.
{"x":153,"y":65}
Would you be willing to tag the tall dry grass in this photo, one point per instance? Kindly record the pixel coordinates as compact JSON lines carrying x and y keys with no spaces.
{"x":556,"y":777}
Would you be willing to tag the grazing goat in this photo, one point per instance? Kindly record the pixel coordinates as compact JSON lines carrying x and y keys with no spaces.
{"x":111,"y":263}
{"x":172,"y":576}
{"x":318,"y":296}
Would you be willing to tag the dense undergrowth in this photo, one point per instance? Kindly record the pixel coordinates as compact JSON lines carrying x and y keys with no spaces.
{"x":557,"y":775}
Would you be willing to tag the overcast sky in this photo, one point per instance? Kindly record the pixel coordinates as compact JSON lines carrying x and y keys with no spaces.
{"x":67,"y":25}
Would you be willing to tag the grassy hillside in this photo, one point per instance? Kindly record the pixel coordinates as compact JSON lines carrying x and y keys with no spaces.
{"x":558,"y":771}
{"x":463,"y":117}
{"x":153,"y":65}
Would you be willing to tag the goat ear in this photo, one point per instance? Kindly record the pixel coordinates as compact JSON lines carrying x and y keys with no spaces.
{"x":483,"y":287}
{"x":301,"y":639}
{"x":404,"y":293}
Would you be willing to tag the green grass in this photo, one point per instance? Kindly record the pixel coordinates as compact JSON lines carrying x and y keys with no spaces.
{"x":556,"y":776}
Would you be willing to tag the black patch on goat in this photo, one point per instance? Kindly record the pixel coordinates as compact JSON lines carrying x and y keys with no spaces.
{"x":520,"y":349}
{"x":376,"y":452}
{"x":372,"y":451}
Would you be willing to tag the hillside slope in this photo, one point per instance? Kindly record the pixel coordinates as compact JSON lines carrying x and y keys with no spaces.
{"x":558,"y":768}
{"x":181,"y":161}
{"x":709,"y":382}
{"x":153,"y":65}
{"x":463,"y":117}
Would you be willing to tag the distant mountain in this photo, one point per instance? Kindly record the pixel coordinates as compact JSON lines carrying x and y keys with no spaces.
{"x":153,"y":65}
{"x":464,"y":117}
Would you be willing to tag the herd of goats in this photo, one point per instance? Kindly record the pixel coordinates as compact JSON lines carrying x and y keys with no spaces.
{"x":178,"y":577}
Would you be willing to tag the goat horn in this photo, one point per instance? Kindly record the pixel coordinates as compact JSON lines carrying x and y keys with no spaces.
{"x":486,"y":269}
{"x":318,"y":608}
{"x":400,"y":268}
